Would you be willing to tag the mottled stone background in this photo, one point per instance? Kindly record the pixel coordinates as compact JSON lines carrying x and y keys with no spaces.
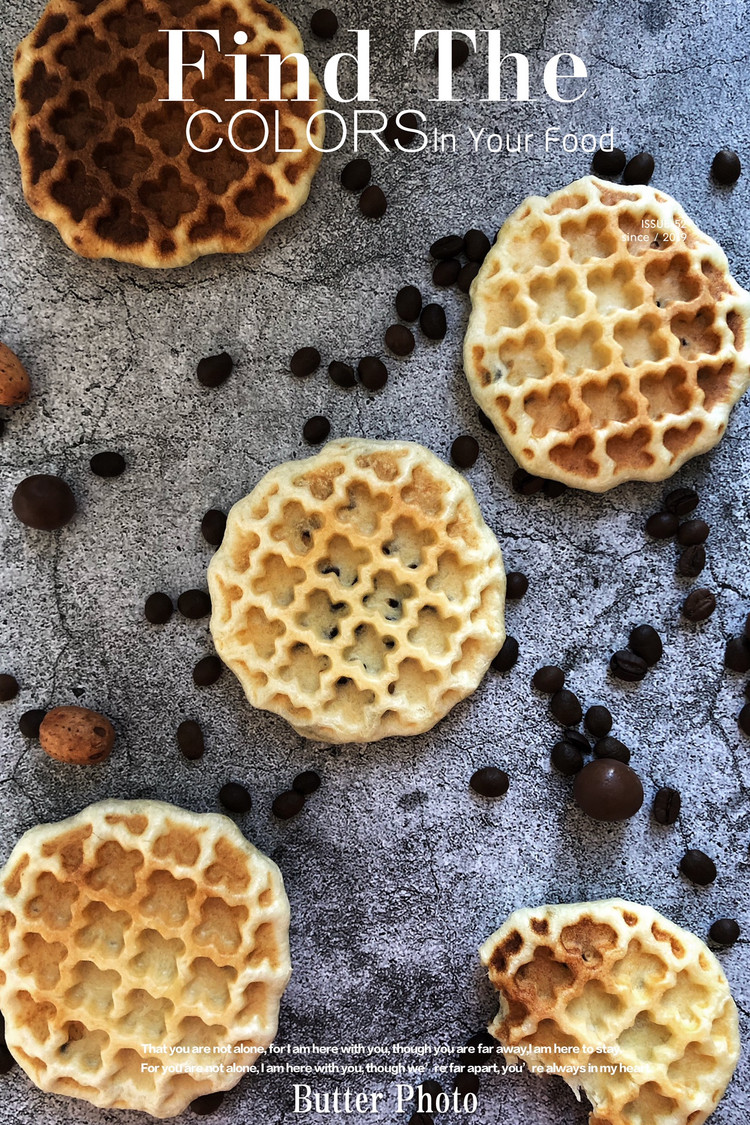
{"x":395,"y":871}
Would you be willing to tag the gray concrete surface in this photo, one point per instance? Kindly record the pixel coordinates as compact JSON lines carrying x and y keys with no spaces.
{"x":395,"y":871}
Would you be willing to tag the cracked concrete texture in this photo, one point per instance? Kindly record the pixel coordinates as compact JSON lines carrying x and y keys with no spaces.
{"x":395,"y":872}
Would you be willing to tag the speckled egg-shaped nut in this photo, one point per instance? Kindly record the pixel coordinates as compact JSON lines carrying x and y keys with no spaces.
{"x":75,"y":734}
{"x":14,"y":379}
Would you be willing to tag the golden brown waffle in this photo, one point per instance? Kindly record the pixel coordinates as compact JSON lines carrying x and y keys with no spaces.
{"x":136,"y":923}
{"x":109,"y":164}
{"x":607,"y":340}
{"x":619,"y":1002}
{"x":358,"y":593}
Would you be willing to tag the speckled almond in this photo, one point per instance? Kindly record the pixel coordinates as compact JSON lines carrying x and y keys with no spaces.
{"x":14,"y":379}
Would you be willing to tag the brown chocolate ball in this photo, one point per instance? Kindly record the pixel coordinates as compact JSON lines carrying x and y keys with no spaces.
{"x":607,"y":789}
{"x":44,"y":502}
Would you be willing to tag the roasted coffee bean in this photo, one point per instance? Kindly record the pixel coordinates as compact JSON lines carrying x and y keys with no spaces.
{"x":566,"y":707}
{"x":608,"y":162}
{"x":213,"y":526}
{"x":737,"y":654}
{"x":342,"y":374}
{"x":639,"y":170}
{"x":372,"y":202}
{"x":7,"y":1061}
{"x":446,"y":273}
{"x":490,"y":782}
{"x":467,"y":275}
{"x":662,"y":525}
{"x":525,"y":484}
{"x":408,"y":302}
{"x":626,"y":665}
{"x":304,"y":362}
{"x":554,"y":488}
{"x":516,"y":585}
{"x":692,"y":531}
{"x":316,"y":429}
{"x":609,"y":747}
{"x":667,"y":805}
{"x":398,"y":130}
{"x":747,"y":690}
{"x":699,"y":605}
{"x":207,"y":1103}
{"x":399,"y":339}
{"x":566,"y":758}
{"x":356,"y":174}
{"x":575,"y":738}
{"x":485,"y":422}
{"x":190,"y":740}
{"x":681,"y":501}
{"x":692,"y":561}
{"x":418,"y":1118}
{"x":726,"y":167}
{"x":448,"y":247}
{"x":324,"y":23}
{"x":430,"y":1088}
{"x":306,"y":782}
{"x":44,"y":502}
{"x":235,"y":797}
{"x":459,"y":53}
{"x":476,"y":245}
{"x":608,"y":790}
{"x":287,"y":804}
{"x":646,"y":643}
{"x":548,"y":679}
{"x":158,"y":608}
{"x":598,"y":720}
{"x":464,"y":451}
{"x":507,"y":656}
{"x":466,"y":1082}
{"x":107,"y":464}
{"x":746,"y":627}
{"x":699,"y":868}
{"x":214,"y":369}
{"x":373,"y":373}
{"x":432,"y":322}
{"x":207,"y":671}
{"x":8,"y":687}
{"x":194,"y":604}
{"x":30,"y":722}
{"x":724,"y":931}
{"x":480,"y":1039}
{"x":744,"y":719}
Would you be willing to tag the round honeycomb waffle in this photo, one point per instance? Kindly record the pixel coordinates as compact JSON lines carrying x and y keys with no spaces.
{"x":109,"y":164}
{"x":358,"y":593}
{"x":621,"y":1003}
{"x":607,"y":341}
{"x":138,"y":923}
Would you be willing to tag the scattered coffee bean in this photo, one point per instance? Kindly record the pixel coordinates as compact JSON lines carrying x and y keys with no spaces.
{"x":107,"y":464}
{"x":699,"y":605}
{"x":304,"y":362}
{"x":7,"y":1061}
{"x":699,"y":868}
{"x":158,"y":608}
{"x":399,"y":339}
{"x":418,"y":1118}
{"x":516,"y":585}
{"x":446,"y":272}
{"x":476,"y":245}
{"x":747,"y":690}
{"x":342,"y":374}
{"x":430,"y":1088}
{"x":30,"y":722}
{"x":356,"y":174}
{"x":662,"y":525}
{"x":609,"y":747}
{"x":566,"y":758}
{"x":207,"y":1103}
{"x":490,"y":782}
{"x":190,"y":740}
{"x":626,"y":665}
{"x":324,"y":23}
{"x":746,"y":628}
{"x":744,"y":719}
{"x":316,"y":429}
{"x":554,"y":488}
{"x":608,"y":162}
{"x":606,"y":789}
{"x":213,"y":526}
{"x":235,"y":797}
{"x":287,"y":804}
{"x":726,"y":167}
{"x":464,"y":451}
{"x":485,"y":422}
{"x":214,"y":370}
{"x":525,"y":484}
{"x":194,"y":604}
{"x":44,"y":502}
{"x":646,"y":643}
{"x":432,"y":322}
{"x":692,"y":532}
{"x":373,"y":374}
{"x":207,"y":671}
{"x":459,"y":53}
{"x":306,"y":782}
{"x":566,"y":707}
{"x":666,"y":806}
{"x":507,"y":656}
{"x":466,"y":275}
{"x":8,"y":687}
{"x":466,"y":1082}
{"x":448,"y":247}
{"x":737,"y":654}
{"x":372,"y":202}
{"x":408,"y":302}
{"x":639,"y":170}
{"x":575,"y":738}
{"x":598,"y":720}
{"x":724,"y":931}
{"x":692,"y":561}
{"x":681,"y":501}
{"x":548,"y":679}
{"x":398,"y":130}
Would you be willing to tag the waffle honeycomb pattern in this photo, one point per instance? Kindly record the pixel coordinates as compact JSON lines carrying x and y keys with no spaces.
{"x":358,"y":593}
{"x":135,"y":923}
{"x":607,"y":341}
{"x":108,"y":163}
{"x":614,"y":984}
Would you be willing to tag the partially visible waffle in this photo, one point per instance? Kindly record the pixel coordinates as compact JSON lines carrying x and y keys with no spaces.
{"x":607,"y":340}
{"x":136,"y":924}
{"x":358,"y":593}
{"x":619,"y":1002}
{"x":108,"y":162}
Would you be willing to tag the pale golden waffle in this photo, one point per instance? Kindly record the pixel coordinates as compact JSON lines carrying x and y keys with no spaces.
{"x":136,"y":923}
{"x":607,"y":340}
{"x":109,"y":164}
{"x":591,"y":989}
{"x":358,"y":593}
